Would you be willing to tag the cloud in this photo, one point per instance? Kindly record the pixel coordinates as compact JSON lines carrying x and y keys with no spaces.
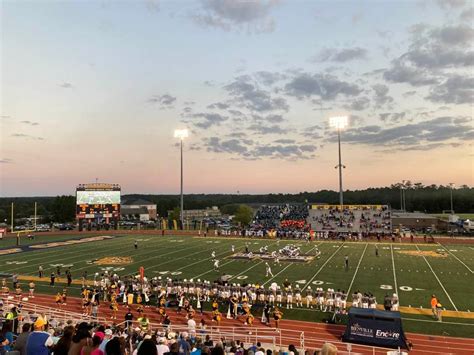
{"x":252,"y":16}
{"x":268,"y":78}
{"x":210,"y":119}
{"x":341,"y":55}
{"x":449,"y":4}
{"x":66,"y":85}
{"x":285,"y":141}
{"x":218,"y":105}
{"x":432,"y":50}
{"x":403,"y":72}
{"x":455,"y":90}
{"x":358,"y":104}
{"x":287,"y":149}
{"x":153,"y":5}
{"x":467,"y":15}
{"x":439,"y":129}
{"x":326,"y":86}
{"x":30,"y":123}
{"x":408,"y":93}
{"x":216,"y":145}
{"x":22,"y":135}
{"x":164,"y":101}
{"x":245,"y":91}
{"x":381,"y":96}
{"x":265,"y":129}
{"x":6,"y":161}
{"x":392,"y":117}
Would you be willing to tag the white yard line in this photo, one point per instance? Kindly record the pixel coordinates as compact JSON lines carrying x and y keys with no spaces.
{"x":322,"y":266}
{"x":357,"y":269}
{"x":439,"y":281}
{"x":286,"y":267}
{"x":243,"y":272}
{"x":211,"y":270}
{"x":467,"y":267}
{"x":394,"y":274}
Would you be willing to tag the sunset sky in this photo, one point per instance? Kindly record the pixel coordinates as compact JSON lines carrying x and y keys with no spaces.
{"x":94,"y":89}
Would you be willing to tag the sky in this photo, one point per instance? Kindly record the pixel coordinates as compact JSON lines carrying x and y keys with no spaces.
{"x":95,"y":89}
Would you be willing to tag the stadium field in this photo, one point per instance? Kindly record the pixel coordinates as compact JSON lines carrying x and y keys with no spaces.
{"x":416,"y":270}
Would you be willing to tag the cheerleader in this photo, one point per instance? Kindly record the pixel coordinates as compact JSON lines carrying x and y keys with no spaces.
{"x":215,"y":305}
{"x":249,"y":319}
{"x":190,"y":313}
{"x":18,"y":291}
{"x":32,"y":286}
{"x":64,"y":297}
{"x":162,"y":313}
{"x":114,"y":308}
{"x":58,"y":299}
{"x":277,"y":315}
{"x":216,"y":316}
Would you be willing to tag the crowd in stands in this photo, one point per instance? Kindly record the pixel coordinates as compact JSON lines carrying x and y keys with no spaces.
{"x":363,"y":219}
{"x":271,"y":217}
{"x":40,"y":336}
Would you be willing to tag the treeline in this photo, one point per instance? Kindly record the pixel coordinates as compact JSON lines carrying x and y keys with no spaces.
{"x":430,"y":199}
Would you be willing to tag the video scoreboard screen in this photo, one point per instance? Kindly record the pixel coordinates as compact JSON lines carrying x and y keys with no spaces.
{"x":98,"y":201}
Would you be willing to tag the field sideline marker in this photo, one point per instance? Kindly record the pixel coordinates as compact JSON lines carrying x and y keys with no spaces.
{"x":322,"y":266}
{"x":394,"y":274}
{"x":467,"y":267}
{"x":439,"y":281}
{"x":357,"y":269}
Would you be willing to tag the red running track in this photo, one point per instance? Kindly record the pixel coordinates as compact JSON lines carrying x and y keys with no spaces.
{"x":315,"y":334}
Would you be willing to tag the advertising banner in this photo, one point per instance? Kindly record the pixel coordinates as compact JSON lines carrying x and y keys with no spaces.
{"x":375,"y":327}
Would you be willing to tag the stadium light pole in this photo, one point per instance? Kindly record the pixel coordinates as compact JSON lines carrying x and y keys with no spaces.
{"x":181,"y":134}
{"x":451,"y":185}
{"x":404,"y":182}
{"x":339,"y":122}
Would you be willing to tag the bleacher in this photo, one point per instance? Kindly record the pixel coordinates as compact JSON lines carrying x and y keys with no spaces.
{"x":365,"y":219}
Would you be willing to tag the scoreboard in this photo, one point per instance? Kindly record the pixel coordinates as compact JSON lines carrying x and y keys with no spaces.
{"x":98,"y":203}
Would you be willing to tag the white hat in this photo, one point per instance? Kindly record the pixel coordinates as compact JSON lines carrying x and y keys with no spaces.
{"x":309,"y":287}
{"x":185,"y":280}
{"x":192,"y":280}
{"x":199,"y":280}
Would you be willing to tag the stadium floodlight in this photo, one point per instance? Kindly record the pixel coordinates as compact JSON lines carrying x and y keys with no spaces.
{"x":452,"y":185}
{"x":339,"y":122}
{"x":181,"y":134}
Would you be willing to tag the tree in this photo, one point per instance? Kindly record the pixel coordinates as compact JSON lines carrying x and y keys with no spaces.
{"x":63,"y":209}
{"x":243,"y":215}
{"x":175,"y":214}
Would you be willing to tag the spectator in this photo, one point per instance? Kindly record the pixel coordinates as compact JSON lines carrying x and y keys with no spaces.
{"x":81,"y":338}
{"x":115,"y":347}
{"x":107,"y":336}
{"x":147,"y":347}
{"x":39,"y":341}
{"x":8,"y":335}
{"x":328,"y":349}
{"x":20,"y":343}
{"x":162,"y":347}
{"x":64,"y":343}
{"x":93,"y":349}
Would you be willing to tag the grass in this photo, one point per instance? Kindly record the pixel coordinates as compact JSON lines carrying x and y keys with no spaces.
{"x":416,"y":277}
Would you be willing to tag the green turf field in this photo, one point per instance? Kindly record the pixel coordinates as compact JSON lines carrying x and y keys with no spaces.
{"x":415,"y":277}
